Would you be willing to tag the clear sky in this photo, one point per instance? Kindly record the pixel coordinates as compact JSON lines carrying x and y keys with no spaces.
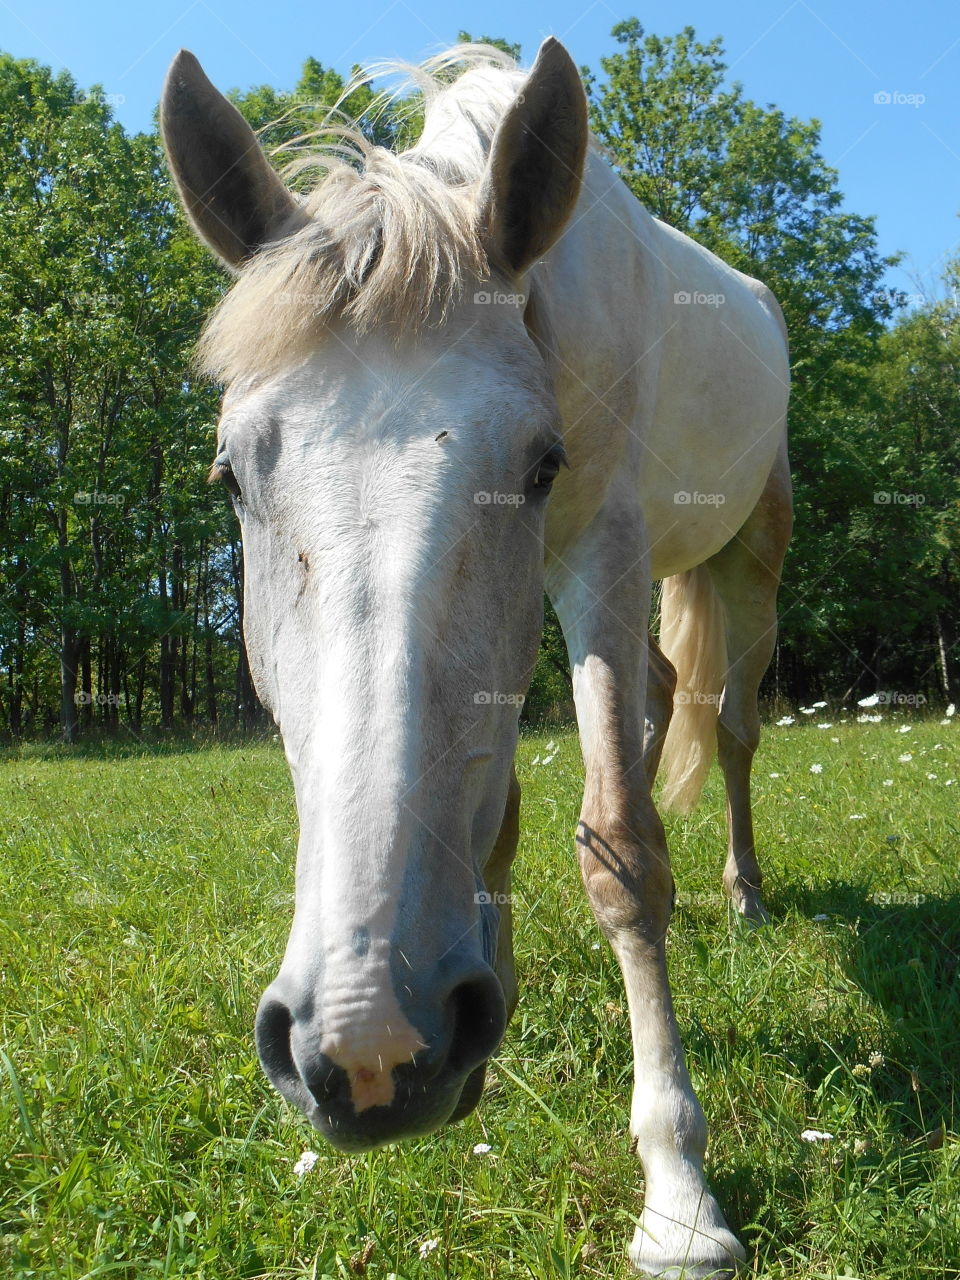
{"x":898,"y":159}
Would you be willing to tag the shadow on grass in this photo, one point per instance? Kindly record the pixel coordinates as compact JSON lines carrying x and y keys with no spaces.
{"x":903,"y":951}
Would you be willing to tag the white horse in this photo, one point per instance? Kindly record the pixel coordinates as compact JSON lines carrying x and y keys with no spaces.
{"x":455,"y":377}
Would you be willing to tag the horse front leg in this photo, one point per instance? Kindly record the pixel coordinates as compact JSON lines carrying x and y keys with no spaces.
{"x":498,"y":880}
{"x":626,"y":870}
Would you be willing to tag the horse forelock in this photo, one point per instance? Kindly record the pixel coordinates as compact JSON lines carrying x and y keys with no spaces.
{"x":392,"y":239}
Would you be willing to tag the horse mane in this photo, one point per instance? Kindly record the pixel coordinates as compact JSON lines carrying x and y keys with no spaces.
{"x":392,"y":238}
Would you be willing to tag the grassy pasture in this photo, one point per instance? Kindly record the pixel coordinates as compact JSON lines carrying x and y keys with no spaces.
{"x":145,"y":898}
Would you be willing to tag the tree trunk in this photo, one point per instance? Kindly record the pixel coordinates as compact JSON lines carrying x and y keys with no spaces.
{"x":69,"y":663}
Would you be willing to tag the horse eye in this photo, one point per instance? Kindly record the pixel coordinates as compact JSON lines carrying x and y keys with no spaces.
{"x":223,"y":472}
{"x":549,"y":468}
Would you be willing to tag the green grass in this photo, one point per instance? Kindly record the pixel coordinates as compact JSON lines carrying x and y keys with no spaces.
{"x":144,"y":903}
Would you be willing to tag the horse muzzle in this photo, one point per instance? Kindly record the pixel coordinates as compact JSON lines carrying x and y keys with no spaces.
{"x":351,"y":1091}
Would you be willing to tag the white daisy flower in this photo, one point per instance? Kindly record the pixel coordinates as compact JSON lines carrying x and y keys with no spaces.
{"x":428,"y":1247}
{"x":887,"y":782}
{"x":808,"y":711}
{"x":905,"y":728}
{"x":482,"y":1149}
{"x":785,"y":720}
{"x":818,"y":705}
{"x":872,"y":701}
{"x":774,"y":775}
{"x":816,"y":768}
{"x":305,"y":1163}
{"x":815,"y":1135}
{"x":865,"y":719}
{"x":905,"y":758}
{"x":857,"y":817}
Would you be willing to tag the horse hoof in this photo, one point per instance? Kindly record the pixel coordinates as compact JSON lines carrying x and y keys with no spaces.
{"x":666,"y":1258}
{"x":750,"y":908}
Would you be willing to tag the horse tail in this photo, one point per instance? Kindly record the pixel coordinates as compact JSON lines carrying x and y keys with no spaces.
{"x":692,"y":637}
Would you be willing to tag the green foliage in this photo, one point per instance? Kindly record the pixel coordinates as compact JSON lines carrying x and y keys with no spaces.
{"x":119,"y":567}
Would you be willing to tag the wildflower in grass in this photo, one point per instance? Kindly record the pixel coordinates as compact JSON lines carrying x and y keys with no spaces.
{"x":428,"y":1247}
{"x":905,"y":758}
{"x":305,"y":1163}
{"x":816,"y":1135}
{"x":865,"y":719}
{"x":887,"y":782}
{"x":808,"y":711}
{"x":860,"y":1146}
{"x":861,"y":1069}
{"x":817,"y":706}
{"x":774,"y":775}
{"x":857,"y":817}
{"x":950,"y":712}
{"x":950,"y":782}
{"x":785,"y":720}
{"x":932,"y":777}
{"x":871,"y":701}
{"x":816,"y":768}
{"x":905,"y":728}
{"x":482,"y":1149}
{"x":876,"y":1059}
{"x":824,"y":726}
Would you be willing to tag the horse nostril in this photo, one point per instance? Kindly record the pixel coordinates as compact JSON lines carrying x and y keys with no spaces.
{"x":273,"y":1027}
{"x":479,"y":1018}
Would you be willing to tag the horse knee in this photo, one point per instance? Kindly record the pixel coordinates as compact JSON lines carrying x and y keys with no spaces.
{"x":737,"y":738}
{"x":627,"y":876}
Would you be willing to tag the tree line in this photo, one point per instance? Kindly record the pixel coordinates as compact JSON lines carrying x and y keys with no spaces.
{"x":121,"y":570}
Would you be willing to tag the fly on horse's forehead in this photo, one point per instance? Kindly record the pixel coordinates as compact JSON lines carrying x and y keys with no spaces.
{"x":497,"y":277}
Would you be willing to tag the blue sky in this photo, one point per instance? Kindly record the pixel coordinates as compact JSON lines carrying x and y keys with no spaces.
{"x":898,"y":160}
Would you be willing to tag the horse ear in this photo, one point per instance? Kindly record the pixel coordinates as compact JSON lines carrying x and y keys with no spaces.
{"x":533,"y":174}
{"x":231,"y":194}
